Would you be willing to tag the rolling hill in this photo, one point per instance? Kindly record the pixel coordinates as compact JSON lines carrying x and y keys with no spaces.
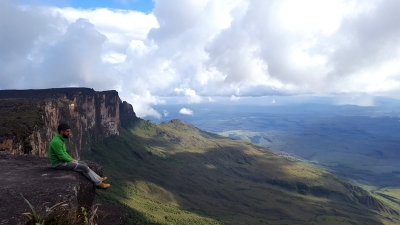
{"x":174,"y":173}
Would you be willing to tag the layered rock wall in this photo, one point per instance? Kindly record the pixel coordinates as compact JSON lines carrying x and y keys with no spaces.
{"x":91,"y":115}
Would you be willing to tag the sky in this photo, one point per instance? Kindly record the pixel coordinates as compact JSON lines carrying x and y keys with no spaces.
{"x":203,"y":50}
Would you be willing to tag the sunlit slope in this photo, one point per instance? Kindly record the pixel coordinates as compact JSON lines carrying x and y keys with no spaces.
{"x":174,"y":173}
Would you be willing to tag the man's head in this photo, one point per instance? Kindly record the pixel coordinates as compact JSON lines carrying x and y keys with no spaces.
{"x":63,"y":130}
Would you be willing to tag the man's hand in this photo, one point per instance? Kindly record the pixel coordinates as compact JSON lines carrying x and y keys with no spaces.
{"x":74,"y":160}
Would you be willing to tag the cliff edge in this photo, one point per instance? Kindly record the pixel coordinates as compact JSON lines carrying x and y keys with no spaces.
{"x":30,"y":118}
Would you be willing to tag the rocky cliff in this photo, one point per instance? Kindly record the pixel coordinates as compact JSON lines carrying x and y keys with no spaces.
{"x":43,"y":186}
{"x":30,"y":118}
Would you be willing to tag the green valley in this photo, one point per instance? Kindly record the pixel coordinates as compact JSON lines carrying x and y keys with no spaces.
{"x":174,"y":173}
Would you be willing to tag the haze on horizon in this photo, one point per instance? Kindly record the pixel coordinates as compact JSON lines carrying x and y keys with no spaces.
{"x":204,"y":51}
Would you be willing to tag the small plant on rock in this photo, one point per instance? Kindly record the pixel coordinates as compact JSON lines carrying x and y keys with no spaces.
{"x":40,"y":218}
{"x":60,"y":214}
{"x":90,"y":216}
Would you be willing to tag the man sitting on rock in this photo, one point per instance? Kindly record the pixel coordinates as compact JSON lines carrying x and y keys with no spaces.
{"x":61,"y":160}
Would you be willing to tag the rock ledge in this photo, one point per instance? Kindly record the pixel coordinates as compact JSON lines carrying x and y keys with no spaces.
{"x":33,"y":177}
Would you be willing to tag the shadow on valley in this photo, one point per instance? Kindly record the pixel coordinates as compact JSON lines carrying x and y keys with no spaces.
{"x":174,"y":173}
{"x":362,"y":148}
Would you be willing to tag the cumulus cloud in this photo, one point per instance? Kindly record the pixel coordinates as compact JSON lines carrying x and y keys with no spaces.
{"x":141,"y":104}
{"x":186,"y":111}
{"x":55,"y":53}
{"x":165,"y":113}
{"x":190,"y":94}
{"x":234,"y":98}
{"x":120,"y":26}
{"x":231,"y":48}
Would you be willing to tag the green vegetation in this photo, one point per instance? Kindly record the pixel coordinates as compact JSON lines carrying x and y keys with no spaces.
{"x":20,"y":117}
{"x":61,"y":214}
{"x":389,"y":195}
{"x":363,"y":150}
{"x":173,"y":173}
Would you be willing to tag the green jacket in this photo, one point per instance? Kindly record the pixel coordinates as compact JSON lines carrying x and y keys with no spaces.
{"x":57,"y":151}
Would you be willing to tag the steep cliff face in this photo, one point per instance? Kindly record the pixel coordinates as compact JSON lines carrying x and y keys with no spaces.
{"x":30,"y":118}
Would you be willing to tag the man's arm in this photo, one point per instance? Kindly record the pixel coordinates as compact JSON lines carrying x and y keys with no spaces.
{"x":62,"y":155}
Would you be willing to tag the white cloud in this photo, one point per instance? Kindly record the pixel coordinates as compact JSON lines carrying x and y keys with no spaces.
{"x":234,"y":98}
{"x":141,"y":104}
{"x":211,"y":99}
{"x":113,"y":57}
{"x":205,"y":48}
{"x":120,"y":26}
{"x":324,"y":16}
{"x":165,"y":113}
{"x":186,"y":111}
{"x":190,"y":94}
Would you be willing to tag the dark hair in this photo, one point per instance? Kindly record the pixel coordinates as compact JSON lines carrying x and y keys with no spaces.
{"x":62,"y":126}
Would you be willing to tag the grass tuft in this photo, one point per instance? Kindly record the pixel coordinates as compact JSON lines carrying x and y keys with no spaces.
{"x":61,"y":214}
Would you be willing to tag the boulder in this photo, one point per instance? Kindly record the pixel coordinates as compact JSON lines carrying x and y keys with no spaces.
{"x":31,"y":177}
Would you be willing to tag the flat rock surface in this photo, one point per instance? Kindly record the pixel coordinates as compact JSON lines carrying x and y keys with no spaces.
{"x":33,"y":178}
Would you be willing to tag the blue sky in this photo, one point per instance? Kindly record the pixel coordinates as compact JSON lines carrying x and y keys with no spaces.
{"x":145,"y":6}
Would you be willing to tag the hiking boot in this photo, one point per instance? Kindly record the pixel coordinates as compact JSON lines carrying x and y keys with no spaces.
{"x":103,"y":186}
{"x":103,"y":178}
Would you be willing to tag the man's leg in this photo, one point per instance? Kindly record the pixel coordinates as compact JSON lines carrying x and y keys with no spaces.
{"x":80,"y":167}
{"x":94,"y":173}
